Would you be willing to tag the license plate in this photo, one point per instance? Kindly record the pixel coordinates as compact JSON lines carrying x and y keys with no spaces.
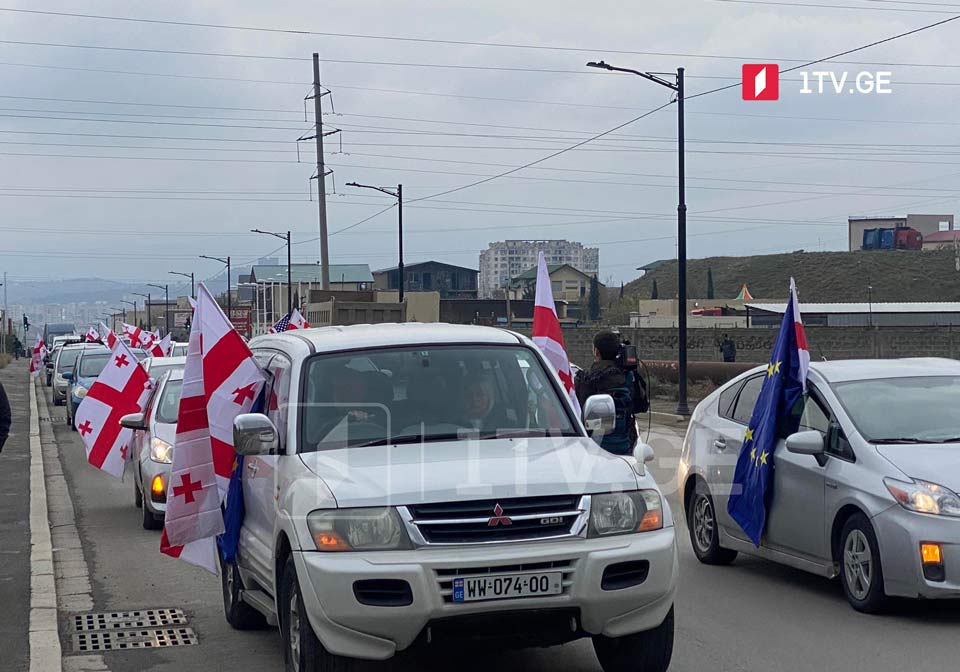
{"x":507,"y":586}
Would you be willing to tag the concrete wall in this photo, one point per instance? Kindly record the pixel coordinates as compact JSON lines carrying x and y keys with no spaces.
{"x":421,"y":306}
{"x":754,"y":345}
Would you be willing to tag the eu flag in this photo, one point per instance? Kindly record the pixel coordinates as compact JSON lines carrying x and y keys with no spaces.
{"x":772,"y":418}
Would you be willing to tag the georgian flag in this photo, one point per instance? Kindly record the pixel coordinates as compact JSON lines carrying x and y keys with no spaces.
{"x":139,"y":338}
{"x":160,"y":348}
{"x":294,"y":320}
{"x":220,"y":381}
{"x":92,"y":335}
{"x":36,"y":358}
{"x":107,"y":335}
{"x":122,"y":387}
{"x":547,"y":334}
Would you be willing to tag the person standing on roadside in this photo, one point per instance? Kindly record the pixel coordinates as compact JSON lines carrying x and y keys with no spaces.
{"x":728,"y":349}
{"x":4,"y":417}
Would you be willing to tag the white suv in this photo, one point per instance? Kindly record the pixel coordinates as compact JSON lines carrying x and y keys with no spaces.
{"x":414,"y":483}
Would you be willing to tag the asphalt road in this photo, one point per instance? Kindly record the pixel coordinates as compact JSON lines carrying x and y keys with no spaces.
{"x":753,"y":615}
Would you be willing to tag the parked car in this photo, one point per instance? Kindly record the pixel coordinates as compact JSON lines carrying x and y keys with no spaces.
{"x":49,"y":363}
{"x":65,"y":361}
{"x":424,"y":497}
{"x":157,"y":366}
{"x":153,"y":439}
{"x":178,"y":349}
{"x":90,"y":363}
{"x":865,"y":490}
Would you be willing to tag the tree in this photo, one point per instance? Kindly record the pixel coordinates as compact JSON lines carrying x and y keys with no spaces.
{"x":621,"y":289}
{"x":709,"y":283}
{"x":593,"y":307}
{"x":654,"y":294}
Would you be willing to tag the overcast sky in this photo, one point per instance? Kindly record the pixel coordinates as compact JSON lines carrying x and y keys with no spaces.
{"x":180,"y":191}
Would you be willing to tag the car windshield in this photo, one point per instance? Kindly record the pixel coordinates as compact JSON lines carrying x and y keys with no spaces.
{"x":904,"y":410}
{"x":157,"y":369}
{"x":67,"y":358}
{"x":407,"y":395}
{"x":169,"y":404}
{"x":92,"y":364}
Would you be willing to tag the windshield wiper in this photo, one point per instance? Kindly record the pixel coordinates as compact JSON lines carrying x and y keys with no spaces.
{"x":407,"y":438}
{"x":905,"y":439}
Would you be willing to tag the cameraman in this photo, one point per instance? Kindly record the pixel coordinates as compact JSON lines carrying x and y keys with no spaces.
{"x":608,"y":376}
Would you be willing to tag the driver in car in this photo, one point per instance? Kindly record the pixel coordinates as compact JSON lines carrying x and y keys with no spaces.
{"x":478,"y":407}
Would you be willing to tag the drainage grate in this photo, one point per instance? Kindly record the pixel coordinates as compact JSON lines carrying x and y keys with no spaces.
{"x":53,"y":418}
{"x":120,"y":620}
{"x":114,"y":640}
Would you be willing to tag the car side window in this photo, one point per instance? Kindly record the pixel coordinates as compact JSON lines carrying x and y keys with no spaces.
{"x":747,"y":399}
{"x":814,"y":416}
{"x":726,"y":400}
{"x":278,"y":401}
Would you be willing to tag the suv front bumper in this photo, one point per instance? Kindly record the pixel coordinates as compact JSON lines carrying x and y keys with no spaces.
{"x":348,"y":628}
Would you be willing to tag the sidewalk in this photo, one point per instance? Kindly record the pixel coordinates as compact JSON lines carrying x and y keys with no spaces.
{"x":15,"y":521}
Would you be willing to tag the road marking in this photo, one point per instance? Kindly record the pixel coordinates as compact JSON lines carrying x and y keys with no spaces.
{"x":44,"y":635}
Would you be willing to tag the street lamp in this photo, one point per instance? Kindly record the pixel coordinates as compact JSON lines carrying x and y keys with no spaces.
{"x":227,"y":262}
{"x":134,"y":304}
{"x":676,"y":87}
{"x":146,"y":306}
{"x":285,"y":237}
{"x":166,"y":305}
{"x":123,"y":316}
{"x":193,"y":291}
{"x":398,"y":194}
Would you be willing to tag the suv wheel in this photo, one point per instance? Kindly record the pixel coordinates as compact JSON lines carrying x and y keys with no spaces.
{"x":649,"y":651}
{"x":861,"y":572}
{"x":239,"y":615}
{"x":302,"y":651}
{"x":151,"y":521}
{"x":137,"y":495}
{"x":704,"y":533}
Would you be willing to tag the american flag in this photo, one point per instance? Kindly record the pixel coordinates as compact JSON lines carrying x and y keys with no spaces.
{"x":281,"y":326}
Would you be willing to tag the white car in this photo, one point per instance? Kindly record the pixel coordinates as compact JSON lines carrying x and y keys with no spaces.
{"x":425,"y":498}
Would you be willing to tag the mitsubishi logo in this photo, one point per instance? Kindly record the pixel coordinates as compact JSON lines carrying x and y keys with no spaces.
{"x":498,"y":518}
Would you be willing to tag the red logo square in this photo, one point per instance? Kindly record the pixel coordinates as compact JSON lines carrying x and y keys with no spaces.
{"x":761,"y":81}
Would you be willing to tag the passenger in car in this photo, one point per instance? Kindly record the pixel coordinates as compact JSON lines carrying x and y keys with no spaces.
{"x":478,"y":407}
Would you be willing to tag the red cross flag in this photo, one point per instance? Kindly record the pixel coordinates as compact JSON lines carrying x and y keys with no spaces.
{"x":36,"y":358}
{"x":220,"y":381}
{"x":92,"y":335}
{"x":107,"y":335}
{"x":297,"y":321}
{"x":159,"y":348}
{"x":139,"y":338}
{"x":121,"y":388}
{"x":547,"y":334}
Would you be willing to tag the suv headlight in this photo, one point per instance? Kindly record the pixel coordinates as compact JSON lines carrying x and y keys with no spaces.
{"x":79,"y":391}
{"x":924,"y":497}
{"x":161,"y":451}
{"x":625,"y":513}
{"x":373,"y":529}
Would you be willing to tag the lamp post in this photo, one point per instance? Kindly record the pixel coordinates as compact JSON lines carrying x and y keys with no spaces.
{"x":193,"y":291}
{"x":166,"y":305}
{"x":134,"y":304}
{"x":123,"y":316}
{"x":285,"y":237}
{"x":146,"y":305}
{"x":227,"y":262}
{"x":676,"y":87}
{"x":397,"y":194}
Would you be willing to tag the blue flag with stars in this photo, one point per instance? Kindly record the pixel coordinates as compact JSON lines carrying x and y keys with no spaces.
{"x":772,"y":418}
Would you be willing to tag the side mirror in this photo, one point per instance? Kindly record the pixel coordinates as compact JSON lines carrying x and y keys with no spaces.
{"x":254,"y":434}
{"x":134,"y":421}
{"x":806,"y":443}
{"x":67,"y":375}
{"x":599,"y":414}
{"x":643,"y":453}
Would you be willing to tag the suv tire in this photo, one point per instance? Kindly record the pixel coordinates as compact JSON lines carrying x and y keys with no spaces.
{"x":151,"y":521}
{"x":240,"y":615}
{"x":303,"y":645}
{"x":649,"y":651}
{"x":861,"y":572}
{"x":137,"y":495}
{"x":703,"y":528}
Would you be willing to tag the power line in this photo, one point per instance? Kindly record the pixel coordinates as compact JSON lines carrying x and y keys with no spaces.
{"x":821,"y":6}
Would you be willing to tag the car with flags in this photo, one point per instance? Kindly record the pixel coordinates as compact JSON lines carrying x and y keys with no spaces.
{"x":64,"y":362}
{"x":847,"y":470}
{"x":450,"y":489}
{"x":89,"y":363}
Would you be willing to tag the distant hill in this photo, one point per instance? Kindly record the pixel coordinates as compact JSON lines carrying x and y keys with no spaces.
{"x":895,"y":275}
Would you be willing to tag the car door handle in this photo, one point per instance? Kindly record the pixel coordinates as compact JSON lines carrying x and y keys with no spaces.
{"x":253,"y":468}
{"x":720,"y":444}
{"x":832,"y":484}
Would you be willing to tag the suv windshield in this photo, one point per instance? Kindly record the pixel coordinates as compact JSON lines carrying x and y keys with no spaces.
{"x":169,"y":404}
{"x":67,"y":358}
{"x":406,"y":395}
{"x":92,"y":364}
{"x":904,"y":410}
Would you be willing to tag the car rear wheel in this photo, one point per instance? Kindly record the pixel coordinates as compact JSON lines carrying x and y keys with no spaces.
{"x":239,"y":615}
{"x":861,"y":571}
{"x":302,"y":651}
{"x":704,"y":532}
{"x":649,"y":651}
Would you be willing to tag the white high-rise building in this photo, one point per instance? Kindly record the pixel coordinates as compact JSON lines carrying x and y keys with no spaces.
{"x":509,"y":258}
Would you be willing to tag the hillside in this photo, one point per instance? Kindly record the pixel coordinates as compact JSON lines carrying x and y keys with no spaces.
{"x":895,"y":275}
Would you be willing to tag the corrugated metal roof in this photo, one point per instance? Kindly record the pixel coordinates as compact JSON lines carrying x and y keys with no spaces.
{"x":864,"y":308}
{"x":311,"y":273}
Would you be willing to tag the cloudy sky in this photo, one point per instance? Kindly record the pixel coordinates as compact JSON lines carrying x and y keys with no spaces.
{"x":127,"y":163}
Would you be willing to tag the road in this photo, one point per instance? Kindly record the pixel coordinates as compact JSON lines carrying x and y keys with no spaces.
{"x":751,"y":616}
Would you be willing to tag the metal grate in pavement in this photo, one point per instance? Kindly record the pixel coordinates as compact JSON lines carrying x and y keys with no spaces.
{"x":113,"y":640}
{"x":53,"y":418}
{"x":119,"y":620}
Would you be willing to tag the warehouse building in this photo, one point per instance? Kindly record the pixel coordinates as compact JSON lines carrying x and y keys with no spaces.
{"x":858,"y":314}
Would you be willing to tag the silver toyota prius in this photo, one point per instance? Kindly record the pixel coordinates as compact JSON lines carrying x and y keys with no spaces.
{"x":866,"y":489}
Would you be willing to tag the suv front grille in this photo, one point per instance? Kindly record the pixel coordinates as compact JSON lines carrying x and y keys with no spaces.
{"x":512,"y":519}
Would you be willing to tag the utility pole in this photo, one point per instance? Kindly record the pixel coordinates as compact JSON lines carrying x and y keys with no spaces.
{"x":321,"y":178}
{"x":6,"y":316}
{"x":146,"y":307}
{"x":166,"y":305}
{"x":227,"y":262}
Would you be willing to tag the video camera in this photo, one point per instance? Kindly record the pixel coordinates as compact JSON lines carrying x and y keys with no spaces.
{"x":627,"y":358}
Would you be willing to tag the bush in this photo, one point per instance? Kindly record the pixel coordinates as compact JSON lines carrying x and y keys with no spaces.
{"x":4,"y":359}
